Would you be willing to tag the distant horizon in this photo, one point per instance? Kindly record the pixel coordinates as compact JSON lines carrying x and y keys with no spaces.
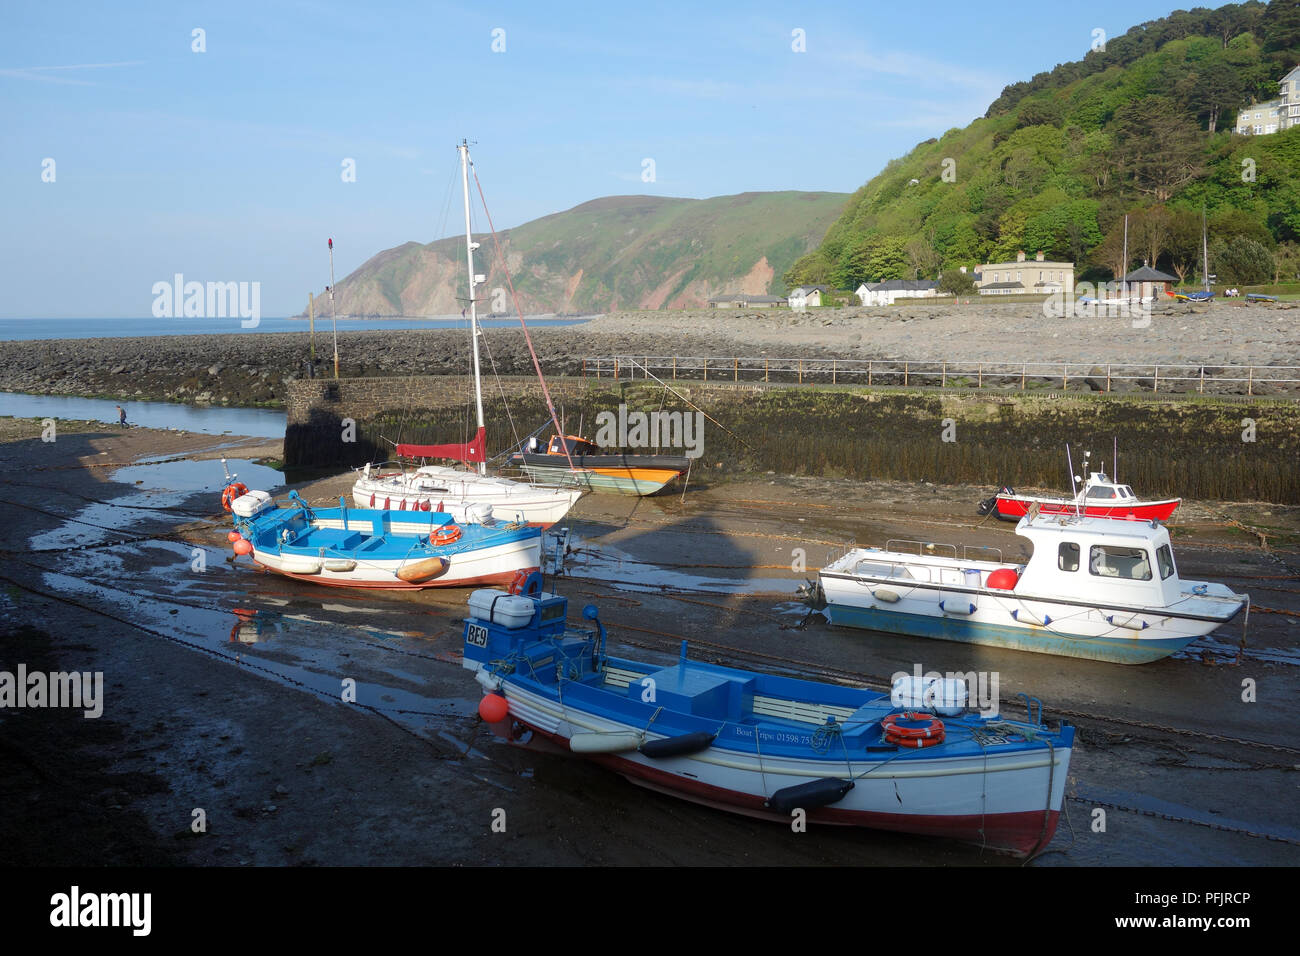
{"x":225,"y":144}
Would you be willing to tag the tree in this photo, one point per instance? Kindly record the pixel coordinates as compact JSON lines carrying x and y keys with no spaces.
{"x":1281,"y":24}
{"x":1184,"y":242}
{"x":1241,"y":261}
{"x":1149,"y":233}
{"x":888,"y":259}
{"x":1286,"y":262}
{"x":1157,"y":148}
{"x":955,"y":282}
{"x":922,"y":256}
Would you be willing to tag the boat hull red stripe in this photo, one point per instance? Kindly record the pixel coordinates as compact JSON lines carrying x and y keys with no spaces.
{"x":1019,"y":507}
{"x":1020,"y":833}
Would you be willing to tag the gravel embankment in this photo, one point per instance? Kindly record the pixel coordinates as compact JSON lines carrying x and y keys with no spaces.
{"x":251,"y":368}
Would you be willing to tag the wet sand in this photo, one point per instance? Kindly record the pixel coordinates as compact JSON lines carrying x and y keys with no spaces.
{"x":223,"y":685}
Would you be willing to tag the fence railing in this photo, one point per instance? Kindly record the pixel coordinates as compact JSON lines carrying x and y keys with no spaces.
{"x":1098,"y":376}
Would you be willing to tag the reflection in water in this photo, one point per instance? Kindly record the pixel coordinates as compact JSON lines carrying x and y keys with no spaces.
{"x":207,"y":420}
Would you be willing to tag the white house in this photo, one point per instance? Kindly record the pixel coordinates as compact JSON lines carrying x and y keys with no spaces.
{"x":1272,"y":116}
{"x":885,"y":293}
{"x":806,"y":297}
{"x":1038,"y":276}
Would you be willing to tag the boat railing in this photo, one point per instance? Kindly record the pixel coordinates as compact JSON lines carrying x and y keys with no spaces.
{"x":922,"y":547}
{"x":967,"y":549}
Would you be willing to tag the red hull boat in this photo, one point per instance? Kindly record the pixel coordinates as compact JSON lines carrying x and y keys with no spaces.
{"x":1100,"y":498}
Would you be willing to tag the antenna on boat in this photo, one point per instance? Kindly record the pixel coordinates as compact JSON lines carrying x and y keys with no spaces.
{"x":1074,"y":490}
{"x":1114,"y":459}
{"x":470,"y":246}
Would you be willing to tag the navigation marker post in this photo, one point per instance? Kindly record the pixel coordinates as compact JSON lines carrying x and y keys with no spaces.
{"x":333,"y":318}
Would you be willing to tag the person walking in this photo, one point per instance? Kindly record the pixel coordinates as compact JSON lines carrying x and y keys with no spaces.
{"x":121,"y":416}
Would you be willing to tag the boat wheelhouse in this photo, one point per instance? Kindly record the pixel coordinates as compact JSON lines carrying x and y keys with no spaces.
{"x":1097,"y":588}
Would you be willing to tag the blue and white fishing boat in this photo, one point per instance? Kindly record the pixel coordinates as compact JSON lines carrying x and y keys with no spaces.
{"x":365,"y":548}
{"x":763,"y":745}
{"x":1104,"y":589}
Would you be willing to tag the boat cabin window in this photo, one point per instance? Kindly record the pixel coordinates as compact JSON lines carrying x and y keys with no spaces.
{"x":1096,"y":492}
{"x":1067,"y":556}
{"x":576,"y":446}
{"x":1126,"y":492}
{"x":1165,"y":557}
{"x":551,"y":612}
{"x":1108,"y":561}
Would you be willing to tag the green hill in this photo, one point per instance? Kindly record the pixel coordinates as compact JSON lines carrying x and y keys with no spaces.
{"x":1142,"y":127}
{"x":611,"y":253}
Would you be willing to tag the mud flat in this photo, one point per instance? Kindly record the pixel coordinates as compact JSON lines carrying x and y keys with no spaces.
{"x":251,"y":368}
{"x":223,"y":684}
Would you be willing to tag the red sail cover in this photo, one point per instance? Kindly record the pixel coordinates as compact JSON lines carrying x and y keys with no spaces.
{"x":475,"y":450}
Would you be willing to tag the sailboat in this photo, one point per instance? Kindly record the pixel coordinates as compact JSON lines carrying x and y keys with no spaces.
{"x":1208,"y":294}
{"x":459,"y":491}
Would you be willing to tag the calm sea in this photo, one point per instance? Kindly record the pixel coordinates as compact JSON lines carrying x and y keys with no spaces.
{"x":21,"y":329}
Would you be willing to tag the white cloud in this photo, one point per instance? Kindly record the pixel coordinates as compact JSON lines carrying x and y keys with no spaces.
{"x":50,"y":74}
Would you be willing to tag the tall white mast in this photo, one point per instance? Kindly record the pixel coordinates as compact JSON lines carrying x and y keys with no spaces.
{"x":1205,"y":251}
{"x":1123,"y":284}
{"x":474,"y":280}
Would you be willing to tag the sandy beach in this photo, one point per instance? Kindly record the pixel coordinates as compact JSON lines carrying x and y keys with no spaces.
{"x":221,"y":687}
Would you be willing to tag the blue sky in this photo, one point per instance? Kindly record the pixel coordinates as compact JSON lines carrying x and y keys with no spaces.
{"x":226,"y":165}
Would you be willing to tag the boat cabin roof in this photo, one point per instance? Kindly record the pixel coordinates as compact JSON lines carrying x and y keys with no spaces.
{"x":1131,"y":530}
{"x":1099,"y":485}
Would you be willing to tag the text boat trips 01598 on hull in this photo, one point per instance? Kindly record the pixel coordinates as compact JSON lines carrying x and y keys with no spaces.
{"x":1097,"y":588}
{"x":763,"y":745}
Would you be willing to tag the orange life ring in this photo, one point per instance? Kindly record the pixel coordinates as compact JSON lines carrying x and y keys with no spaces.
{"x":445,"y":535}
{"x":893,"y":733}
{"x":231,"y":492}
{"x":518,"y":582}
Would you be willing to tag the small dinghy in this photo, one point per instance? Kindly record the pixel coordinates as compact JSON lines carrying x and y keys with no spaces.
{"x":767,"y":746}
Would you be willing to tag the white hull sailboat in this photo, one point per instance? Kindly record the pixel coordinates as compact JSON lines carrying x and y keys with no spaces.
{"x":457,"y":491}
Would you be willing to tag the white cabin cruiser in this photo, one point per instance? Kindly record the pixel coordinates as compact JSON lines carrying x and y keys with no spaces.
{"x":1098,"y":588}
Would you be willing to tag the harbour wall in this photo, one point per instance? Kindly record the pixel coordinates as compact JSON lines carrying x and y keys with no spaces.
{"x":1225,"y":448}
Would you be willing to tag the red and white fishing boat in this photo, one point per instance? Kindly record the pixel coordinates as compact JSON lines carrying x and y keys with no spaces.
{"x":1099,"y":497}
